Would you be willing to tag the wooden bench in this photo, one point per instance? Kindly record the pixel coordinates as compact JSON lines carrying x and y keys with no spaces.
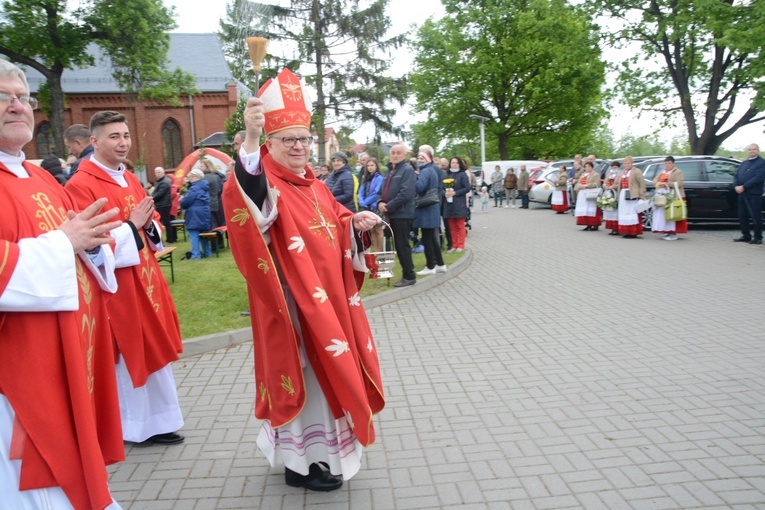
{"x":179,"y":225}
{"x":212,"y":238}
{"x":166,"y":256}
{"x":222,"y":229}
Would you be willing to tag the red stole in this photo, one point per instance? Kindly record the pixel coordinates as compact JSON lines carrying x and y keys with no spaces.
{"x":53,"y":369}
{"x":142,"y":313}
{"x":310,"y":252}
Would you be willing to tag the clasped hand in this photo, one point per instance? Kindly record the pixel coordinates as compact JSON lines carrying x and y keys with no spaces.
{"x":89,"y":229}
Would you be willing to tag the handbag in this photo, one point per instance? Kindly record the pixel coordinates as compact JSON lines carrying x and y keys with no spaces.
{"x":592,"y":193}
{"x":430,"y":197}
{"x":676,"y":210}
{"x":660,"y":200}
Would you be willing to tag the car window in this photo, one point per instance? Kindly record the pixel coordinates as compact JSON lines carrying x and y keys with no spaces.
{"x":650,"y":172}
{"x":721,"y":171}
{"x":690,"y":169}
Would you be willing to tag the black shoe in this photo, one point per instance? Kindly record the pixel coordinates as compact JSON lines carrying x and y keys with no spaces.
{"x":403,"y":282}
{"x":170,"y":438}
{"x":587,"y":228}
{"x":595,"y":228}
{"x":629,"y":236}
{"x":742,"y":239}
{"x":316,"y":480}
{"x":755,"y":241}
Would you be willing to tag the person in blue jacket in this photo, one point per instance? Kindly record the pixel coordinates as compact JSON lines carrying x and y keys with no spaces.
{"x":341,"y":181}
{"x":369,"y":188}
{"x":428,"y":218}
{"x":196,"y":206}
{"x":748,"y":183}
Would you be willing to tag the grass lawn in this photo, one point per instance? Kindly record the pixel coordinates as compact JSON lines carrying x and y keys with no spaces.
{"x":211,"y":294}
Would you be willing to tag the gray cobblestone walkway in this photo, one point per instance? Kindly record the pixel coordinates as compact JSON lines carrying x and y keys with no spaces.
{"x":560,"y":369}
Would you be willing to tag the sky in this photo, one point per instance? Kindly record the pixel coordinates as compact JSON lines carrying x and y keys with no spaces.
{"x":202,"y":16}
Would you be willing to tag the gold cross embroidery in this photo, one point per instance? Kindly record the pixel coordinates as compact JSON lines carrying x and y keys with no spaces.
{"x":321,"y":222}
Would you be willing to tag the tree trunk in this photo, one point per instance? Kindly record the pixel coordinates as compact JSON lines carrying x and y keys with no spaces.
{"x":57,"y":124}
{"x":502,"y":140}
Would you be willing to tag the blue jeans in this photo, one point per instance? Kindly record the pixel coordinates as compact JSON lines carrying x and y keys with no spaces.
{"x":195,"y":240}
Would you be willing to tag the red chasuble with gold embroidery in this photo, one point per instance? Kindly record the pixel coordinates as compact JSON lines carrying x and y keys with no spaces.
{"x":56,"y":367}
{"x":142,"y":313}
{"x":310,"y":252}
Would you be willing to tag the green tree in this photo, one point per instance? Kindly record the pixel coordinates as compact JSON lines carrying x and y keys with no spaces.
{"x":234,"y":124}
{"x":340,"y":41}
{"x":533,"y":67}
{"x":646,"y":145}
{"x":248,"y":19}
{"x":53,"y":35}
{"x":697,"y":58}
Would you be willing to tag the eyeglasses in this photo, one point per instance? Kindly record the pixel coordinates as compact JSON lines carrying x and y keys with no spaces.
{"x":26,"y":101}
{"x":290,"y":141}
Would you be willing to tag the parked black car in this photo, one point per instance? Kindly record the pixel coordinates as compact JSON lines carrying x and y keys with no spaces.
{"x":708,"y":184}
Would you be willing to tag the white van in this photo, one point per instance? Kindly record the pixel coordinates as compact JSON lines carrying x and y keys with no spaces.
{"x":487,"y":169}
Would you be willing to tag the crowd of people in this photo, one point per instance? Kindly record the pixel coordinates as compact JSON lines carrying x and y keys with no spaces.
{"x":422,"y":203}
{"x":618,"y":197}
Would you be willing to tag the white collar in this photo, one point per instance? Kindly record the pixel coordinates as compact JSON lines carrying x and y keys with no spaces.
{"x":118,"y":175}
{"x":14,"y":164}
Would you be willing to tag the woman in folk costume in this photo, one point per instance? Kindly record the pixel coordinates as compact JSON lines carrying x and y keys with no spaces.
{"x":587,"y":211}
{"x":559,"y":199}
{"x":630,"y":187}
{"x":317,"y":374}
{"x":670,"y":180}
{"x":609,"y":186}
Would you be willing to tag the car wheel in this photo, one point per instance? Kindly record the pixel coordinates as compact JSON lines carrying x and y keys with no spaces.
{"x":648,"y":218}
{"x":549,"y":200}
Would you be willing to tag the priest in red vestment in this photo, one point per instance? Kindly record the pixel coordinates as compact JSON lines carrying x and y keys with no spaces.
{"x":59,"y":419}
{"x":142,"y":314}
{"x":317,"y":374}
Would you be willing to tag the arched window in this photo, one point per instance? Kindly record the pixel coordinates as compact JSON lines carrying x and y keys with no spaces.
{"x":171,"y":143}
{"x":45,"y":143}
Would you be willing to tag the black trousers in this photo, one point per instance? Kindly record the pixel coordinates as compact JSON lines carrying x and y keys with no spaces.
{"x":432,"y":247}
{"x":165,"y":219}
{"x":401,"y":228}
{"x":750,"y":206}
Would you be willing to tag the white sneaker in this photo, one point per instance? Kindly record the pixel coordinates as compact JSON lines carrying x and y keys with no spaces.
{"x":670,"y":237}
{"x":426,"y":272}
{"x":513,"y":207}
{"x":505,"y":207}
{"x":440,"y":269}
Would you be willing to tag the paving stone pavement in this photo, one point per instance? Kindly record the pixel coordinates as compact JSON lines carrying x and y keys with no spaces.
{"x":560,"y":369}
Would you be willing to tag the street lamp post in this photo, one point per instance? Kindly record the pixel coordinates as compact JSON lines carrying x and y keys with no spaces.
{"x":483,"y":145}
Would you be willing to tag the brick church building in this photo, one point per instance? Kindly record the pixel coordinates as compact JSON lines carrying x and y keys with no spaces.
{"x":162,"y":135}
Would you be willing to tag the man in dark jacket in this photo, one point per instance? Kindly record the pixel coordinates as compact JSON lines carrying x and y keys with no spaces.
{"x":53,"y":165}
{"x":163,"y":202}
{"x":748,"y":183}
{"x":341,"y":181}
{"x":397,"y":202}
{"x":77,"y":141}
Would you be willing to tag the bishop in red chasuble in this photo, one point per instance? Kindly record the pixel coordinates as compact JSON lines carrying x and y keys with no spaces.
{"x":317,"y":373}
